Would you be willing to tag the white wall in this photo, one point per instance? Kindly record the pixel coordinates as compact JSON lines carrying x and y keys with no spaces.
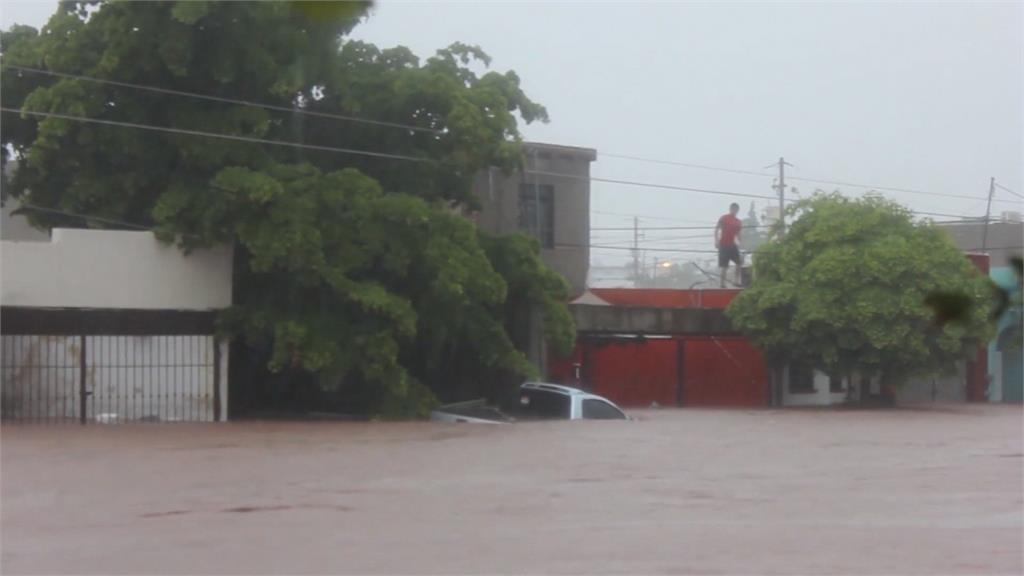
{"x":940,"y":388}
{"x":820,"y":397}
{"x":112,"y":269}
{"x":16,"y":227}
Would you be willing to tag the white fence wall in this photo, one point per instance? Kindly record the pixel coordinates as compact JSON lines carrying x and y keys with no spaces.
{"x":820,"y":397}
{"x":112,"y":269}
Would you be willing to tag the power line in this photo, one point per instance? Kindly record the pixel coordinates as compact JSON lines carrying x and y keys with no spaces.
{"x":959,"y":216}
{"x":197,"y":95}
{"x":143,"y":227}
{"x":215,"y":135}
{"x":684,"y":164}
{"x":958,"y":220}
{"x":704,"y":251}
{"x":349,"y":118}
{"x":798,"y":178}
{"x":390,"y":156}
{"x":650,"y":185}
{"x":623,"y":228}
{"x":893,"y":189}
{"x":604,"y":247}
{"x":644,"y":228}
{"x":1005,"y":189}
{"x":643,"y":216}
{"x":35,"y":208}
{"x":352,"y":151}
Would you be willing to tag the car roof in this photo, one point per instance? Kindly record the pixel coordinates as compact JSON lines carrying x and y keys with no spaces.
{"x":553,"y":388}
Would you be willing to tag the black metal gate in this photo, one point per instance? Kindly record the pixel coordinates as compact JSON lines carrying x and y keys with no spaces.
{"x":108,"y":366}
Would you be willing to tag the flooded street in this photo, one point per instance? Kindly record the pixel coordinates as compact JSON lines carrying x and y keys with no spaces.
{"x":677,"y":491}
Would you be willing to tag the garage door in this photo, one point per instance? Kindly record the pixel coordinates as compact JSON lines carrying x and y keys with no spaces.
{"x":634,"y":371}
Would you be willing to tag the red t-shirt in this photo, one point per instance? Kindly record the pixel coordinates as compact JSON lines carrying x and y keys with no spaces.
{"x":730,"y":226}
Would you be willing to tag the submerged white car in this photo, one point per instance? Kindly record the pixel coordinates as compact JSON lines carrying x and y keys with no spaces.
{"x":537,"y":401}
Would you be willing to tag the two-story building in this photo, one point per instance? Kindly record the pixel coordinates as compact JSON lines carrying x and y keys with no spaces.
{"x":549,"y":199}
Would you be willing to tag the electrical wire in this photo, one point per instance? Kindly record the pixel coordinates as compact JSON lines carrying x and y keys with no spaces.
{"x":349,"y":118}
{"x":370,"y":153}
{"x":35,"y":208}
{"x":353,"y":151}
{"x":1005,"y":189}
{"x":644,"y":217}
{"x":222,"y":99}
{"x":215,"y":135}
{"x":143,"y":227}
{"x":799,"y":178}
{"x":650,"y":185}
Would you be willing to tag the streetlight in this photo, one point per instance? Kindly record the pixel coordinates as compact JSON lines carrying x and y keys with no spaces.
{"x":659,"y":264}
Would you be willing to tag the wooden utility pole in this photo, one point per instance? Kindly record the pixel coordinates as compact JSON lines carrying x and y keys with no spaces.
{"x":988,"y":213}
{"x":782,"y":193}
{"x":636,"y":251}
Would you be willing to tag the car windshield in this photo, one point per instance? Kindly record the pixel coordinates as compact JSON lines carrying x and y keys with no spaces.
{"x":594,"y":409}
{"x":543,"y":404}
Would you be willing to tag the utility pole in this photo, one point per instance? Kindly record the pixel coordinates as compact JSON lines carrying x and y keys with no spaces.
{"x":636,"y":251}
{"x":782,"y":193}
{"x":988,"y":213}
{"x":536,"y":200}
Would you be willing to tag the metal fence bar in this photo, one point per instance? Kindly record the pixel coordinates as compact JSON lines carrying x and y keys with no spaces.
{"x":108,"y":378}
{"x":216,"y":379}
{"x":83,"y":375}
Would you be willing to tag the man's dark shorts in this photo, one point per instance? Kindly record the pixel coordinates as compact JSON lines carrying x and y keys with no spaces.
{"x":727,"y":254}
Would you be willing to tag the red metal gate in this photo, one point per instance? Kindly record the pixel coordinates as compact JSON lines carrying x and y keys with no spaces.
{"x":634,"y":371}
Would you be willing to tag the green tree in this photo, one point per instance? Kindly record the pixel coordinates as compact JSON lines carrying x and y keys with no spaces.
{"x":352,"y":266}
{"x":845,"y":290}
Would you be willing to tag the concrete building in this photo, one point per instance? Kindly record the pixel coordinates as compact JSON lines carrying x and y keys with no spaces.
{"x":1005,"y":238}
{"x":549,"y":199}
{"x":111,"y":326}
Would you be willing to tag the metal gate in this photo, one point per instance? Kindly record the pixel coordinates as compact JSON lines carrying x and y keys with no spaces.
{"x":108,"y":366}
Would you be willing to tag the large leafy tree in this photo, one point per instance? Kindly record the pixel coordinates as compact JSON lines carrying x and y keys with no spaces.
{"x":846,"y":291}
{"x":350,"y":265}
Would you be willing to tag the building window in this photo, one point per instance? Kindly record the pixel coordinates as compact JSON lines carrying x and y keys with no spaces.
{"x":801,"y":379}
{"x":835,"y":384}
{"x":537,"y":212}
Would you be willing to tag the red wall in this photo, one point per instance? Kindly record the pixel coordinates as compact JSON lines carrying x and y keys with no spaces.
{"x":724,"y":372}
{"x":713,"y":371}
{"x":706,"y":371}
{"x":666,"y":298}
{"x":635,"y":372}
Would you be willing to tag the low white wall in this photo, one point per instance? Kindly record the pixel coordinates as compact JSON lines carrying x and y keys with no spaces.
{"x":940,"y":388}
{"x":16,"y":227}
{"x":820,"y":397}
{"x":112,"y":269}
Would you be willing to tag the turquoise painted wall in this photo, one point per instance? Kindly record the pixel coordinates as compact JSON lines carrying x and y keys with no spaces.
{"x":1004,"y":371}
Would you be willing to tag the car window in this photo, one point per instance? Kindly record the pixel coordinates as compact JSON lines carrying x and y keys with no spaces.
{"x":543,"y":404}
{"x":601,"y":410}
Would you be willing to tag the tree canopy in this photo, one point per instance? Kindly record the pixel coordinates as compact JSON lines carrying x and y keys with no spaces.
{"x":351,"y":261}
{"x":845,"y":291}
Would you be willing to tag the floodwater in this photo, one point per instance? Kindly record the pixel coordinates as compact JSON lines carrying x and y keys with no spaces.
{"x":934,"y":491}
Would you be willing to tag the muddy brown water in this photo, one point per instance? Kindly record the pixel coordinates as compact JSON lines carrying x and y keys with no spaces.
{"x":678,"y":491}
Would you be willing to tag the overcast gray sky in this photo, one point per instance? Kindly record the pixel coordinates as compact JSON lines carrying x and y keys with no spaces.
{"x":927,"y":96}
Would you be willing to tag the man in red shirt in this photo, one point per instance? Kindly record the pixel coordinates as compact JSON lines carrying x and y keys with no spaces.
{"x":727,"y":241}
